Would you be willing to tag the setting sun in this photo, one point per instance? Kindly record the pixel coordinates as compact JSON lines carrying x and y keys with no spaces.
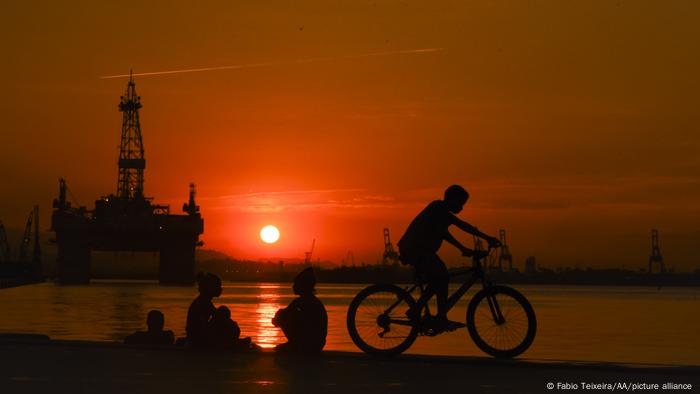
{"x":269,"y":234}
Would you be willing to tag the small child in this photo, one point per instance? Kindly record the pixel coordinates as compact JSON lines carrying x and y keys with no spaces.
{"x":224,"y":331}
{"x":155,"y":334}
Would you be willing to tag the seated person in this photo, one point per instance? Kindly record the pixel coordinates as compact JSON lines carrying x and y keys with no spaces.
{"x":202,"y":310}
{"x":155,"y":334}
{"x":304,"y":322}
{"x":225,"y":332}
{"x":422,"y":240}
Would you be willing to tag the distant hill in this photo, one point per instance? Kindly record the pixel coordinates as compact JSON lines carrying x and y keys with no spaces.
{"x":210,"y":254}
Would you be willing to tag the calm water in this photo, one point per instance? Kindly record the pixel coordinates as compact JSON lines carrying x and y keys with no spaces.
{"x":621,"y":324}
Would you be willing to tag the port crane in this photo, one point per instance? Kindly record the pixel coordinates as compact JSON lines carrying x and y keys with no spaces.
{"x":307,"y":255}
{"x":4,"y":245}
{"x":504,"y":255}
{"x":27,"y":239}
{"x":349,"y":259}
{"x":656,"y":258}
{"x":390,"y":255}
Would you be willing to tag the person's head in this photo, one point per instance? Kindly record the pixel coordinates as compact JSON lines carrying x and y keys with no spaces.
{"x":155,"y":320}
{"x":209,"y":285}
{"x":223,"y":312}
{"x":305,"y":282}
{"x":455,"y":198}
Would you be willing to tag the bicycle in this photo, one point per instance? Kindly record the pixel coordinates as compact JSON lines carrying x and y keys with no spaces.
{"x":385,"y":319}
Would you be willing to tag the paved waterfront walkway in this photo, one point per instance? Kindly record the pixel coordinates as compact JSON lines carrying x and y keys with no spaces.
{"x":91,"y":367}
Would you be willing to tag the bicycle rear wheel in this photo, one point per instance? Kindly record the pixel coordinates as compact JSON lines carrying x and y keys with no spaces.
{"x":501,"y":321}
{"x":377,"y":320}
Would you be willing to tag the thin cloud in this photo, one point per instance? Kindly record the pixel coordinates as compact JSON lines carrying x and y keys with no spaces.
{"x":279,"y":63}
{"x":305,"y":200}
{"x":281,"y":193}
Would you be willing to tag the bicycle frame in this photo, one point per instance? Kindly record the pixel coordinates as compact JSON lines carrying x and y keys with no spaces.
{"x":477,"y":273}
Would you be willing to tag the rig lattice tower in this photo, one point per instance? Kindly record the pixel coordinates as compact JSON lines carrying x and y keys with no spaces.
{"x":131,"y":156}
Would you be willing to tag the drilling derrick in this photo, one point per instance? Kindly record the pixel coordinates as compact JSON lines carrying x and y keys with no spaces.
{"x":504,"y":255}
{"x":656,"y":257}
{"x":131,"y":159}
{"x":127,"y":221}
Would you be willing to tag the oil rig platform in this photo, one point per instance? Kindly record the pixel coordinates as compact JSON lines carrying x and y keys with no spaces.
{"x":127,"y":220}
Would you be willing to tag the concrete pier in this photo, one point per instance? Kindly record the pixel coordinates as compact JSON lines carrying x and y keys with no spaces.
{"x":36,"y":366}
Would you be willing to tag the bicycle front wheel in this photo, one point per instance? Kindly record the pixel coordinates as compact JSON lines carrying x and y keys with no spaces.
{"x":501,"y":321}
{"x":377,"y":320}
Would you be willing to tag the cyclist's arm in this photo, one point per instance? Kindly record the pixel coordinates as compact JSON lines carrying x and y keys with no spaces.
{"x":468,"y":228}
{"x":451,"y":239}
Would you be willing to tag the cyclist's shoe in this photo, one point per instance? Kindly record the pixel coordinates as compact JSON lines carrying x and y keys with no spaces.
{"x":453,"y":325}
{"x":435,"y":325}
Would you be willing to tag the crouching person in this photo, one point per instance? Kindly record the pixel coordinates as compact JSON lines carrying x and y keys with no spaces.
{"x":155,"y":334}
{"x":304,"y":322}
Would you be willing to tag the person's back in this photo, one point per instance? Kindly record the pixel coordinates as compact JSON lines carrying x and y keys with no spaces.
{"x":305,"y":321}
{"x":202,"y":310}
{"x":309,"y":316}
{"x":425,"y":234}
{"x":155,"y":334}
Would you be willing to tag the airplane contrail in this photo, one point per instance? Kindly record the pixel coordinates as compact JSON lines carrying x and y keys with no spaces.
{"x":268,"y":64}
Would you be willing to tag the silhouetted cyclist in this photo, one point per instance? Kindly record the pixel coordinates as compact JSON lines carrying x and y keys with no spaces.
{"x":305,"y":321}
{"x":155,"y":334}
{"x":422,"y":240}
{"x":202,"y":310}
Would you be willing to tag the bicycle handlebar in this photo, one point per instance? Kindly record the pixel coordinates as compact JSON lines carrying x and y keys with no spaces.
{"x":480,"y":254}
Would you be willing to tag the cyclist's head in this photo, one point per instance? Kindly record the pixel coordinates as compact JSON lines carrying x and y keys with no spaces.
{"x":456,"y":197}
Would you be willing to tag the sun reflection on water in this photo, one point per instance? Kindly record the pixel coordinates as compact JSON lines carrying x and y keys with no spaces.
{"x":268,"y":336}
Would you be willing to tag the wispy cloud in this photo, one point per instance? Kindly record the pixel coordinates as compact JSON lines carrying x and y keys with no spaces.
{"x":303,"y":200}
{"x":277,"y":63}
{"x":281,"y":193}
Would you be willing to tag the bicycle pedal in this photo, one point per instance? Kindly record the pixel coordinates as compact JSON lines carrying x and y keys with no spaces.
{"x":455,"y":328}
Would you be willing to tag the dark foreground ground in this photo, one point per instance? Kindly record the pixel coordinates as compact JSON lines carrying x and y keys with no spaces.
{"x":88,"y":367}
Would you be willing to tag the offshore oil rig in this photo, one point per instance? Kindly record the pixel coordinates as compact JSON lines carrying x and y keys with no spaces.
{"x":127,"y":220}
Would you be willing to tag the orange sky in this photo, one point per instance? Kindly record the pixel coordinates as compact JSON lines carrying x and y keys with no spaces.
{"x":574,"y":125}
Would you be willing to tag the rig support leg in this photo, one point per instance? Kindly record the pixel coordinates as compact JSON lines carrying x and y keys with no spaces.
{"x":73,"y":262}
{"x":177,"y":261}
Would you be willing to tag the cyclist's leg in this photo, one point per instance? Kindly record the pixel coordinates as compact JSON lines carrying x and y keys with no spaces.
{"x":420,"y":266}
{"x":438,"y":282}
